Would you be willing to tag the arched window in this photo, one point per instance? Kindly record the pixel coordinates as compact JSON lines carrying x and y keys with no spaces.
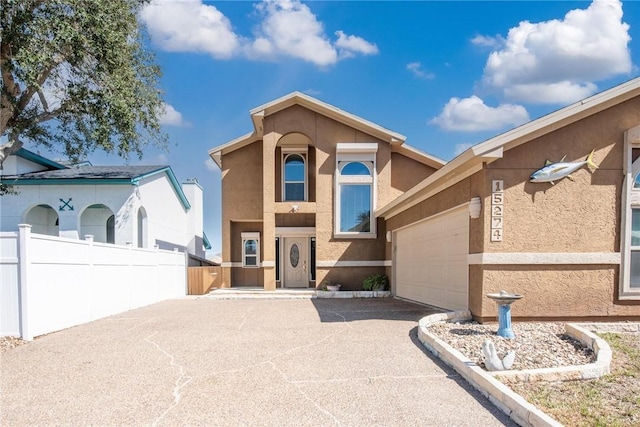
{"x":355,"y":197}
{"x":295,"y":172}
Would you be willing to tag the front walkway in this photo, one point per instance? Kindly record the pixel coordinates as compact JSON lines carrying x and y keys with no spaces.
{"x":255,"y":362}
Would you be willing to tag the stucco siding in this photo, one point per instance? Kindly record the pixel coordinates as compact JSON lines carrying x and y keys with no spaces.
{"x":557,"y":291}
{"x":350,"y":278}
{"x":406,"y":173}
{"x":242,"y":187}
{"x":579,"y":215}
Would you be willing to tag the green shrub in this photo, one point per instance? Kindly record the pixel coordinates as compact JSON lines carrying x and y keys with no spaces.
{"x":375,"y":282}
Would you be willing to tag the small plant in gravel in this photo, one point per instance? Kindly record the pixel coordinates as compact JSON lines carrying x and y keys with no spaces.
{"x":375,"y":282}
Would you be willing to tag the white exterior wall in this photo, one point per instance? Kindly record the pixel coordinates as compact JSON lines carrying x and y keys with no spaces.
{"x":14,"y":165}
{"x":167,"y":219}
{"x":195,"y":219}
{"x":166,"y":216}
{"x":14,"y":208}
{"x":51,"y":283}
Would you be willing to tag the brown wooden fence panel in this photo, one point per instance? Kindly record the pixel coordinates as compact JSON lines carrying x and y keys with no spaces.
{"x":202,"y":279}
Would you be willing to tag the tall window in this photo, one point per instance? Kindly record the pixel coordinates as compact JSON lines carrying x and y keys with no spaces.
{"x":634,"y":282}
{"x":294,"y":178}
{"x":629,"y":288}
{"x":251,"y":249}
{"x":355,"y":192}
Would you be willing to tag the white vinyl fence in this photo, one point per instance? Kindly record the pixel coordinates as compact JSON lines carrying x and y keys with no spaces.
{"x":51,"y":283}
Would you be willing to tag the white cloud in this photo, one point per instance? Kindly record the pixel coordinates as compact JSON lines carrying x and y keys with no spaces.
{"x":350,"y":45}
{"x":416,"y":69}
{"x":486,"y":41}
{"x":286,"y":28}
{"x":171,"y":117}
{"x":561,"y":58}
{"x":471,"y":115}
{"x":290,"y":28}
{"x":190,"y":26}
{"x":564,"y":92}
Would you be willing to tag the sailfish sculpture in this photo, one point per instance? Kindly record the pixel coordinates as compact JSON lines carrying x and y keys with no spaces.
{"x":552,"y":172}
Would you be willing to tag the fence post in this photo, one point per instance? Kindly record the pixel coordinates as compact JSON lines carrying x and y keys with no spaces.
{"x":23,"y":279}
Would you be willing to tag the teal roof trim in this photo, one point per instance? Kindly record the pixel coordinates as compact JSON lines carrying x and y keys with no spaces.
{"x":36,"y":158}
{"x":205,"y":241}
{"x":174,"y":182}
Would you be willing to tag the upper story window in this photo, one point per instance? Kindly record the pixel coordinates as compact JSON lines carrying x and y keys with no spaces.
{"x":355,"y":190}
{"x":294,"y":173}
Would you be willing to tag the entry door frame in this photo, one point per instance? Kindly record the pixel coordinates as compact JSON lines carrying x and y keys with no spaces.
{"x":303,"y":233}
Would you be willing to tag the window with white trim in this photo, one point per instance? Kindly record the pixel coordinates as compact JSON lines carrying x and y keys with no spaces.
{"x":634,"y":276}
{"x":251,"y":250}
{"x":294,"y":173}
{"x":630,"y":225}
{"x":355,"y":191}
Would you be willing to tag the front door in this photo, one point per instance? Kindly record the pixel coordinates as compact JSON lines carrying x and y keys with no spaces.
{"x":296,"y":269}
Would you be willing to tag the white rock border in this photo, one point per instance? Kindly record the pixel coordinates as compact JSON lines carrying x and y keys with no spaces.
{"x":505,"y":399}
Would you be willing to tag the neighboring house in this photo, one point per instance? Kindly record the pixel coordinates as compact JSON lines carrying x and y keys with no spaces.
{"x":141,"y":205}
{"x":571,"y":248}
{"x":299,"y":193}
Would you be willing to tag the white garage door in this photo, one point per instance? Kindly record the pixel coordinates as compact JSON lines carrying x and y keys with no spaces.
{"x":431,"y":261}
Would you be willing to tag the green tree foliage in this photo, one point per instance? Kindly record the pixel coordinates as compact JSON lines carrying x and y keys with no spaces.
{"x":76,"y":77}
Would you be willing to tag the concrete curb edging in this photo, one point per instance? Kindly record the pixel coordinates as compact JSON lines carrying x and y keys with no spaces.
{"x":505,"y":399}
{"x":353,"y":294}
{"x":567,"y":373}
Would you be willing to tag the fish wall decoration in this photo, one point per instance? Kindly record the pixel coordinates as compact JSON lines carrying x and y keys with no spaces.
{"x":556,"y":171}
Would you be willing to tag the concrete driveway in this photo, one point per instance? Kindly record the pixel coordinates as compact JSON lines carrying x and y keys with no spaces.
{"x":349,"y":362}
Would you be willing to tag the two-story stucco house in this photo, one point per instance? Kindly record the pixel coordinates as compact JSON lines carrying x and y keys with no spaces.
{"x":299,"y":195}
{"x":315,"y":193}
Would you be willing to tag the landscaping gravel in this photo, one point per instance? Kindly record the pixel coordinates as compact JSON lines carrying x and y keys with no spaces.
{"x":7,"y":343}
{"x":537,"y":344}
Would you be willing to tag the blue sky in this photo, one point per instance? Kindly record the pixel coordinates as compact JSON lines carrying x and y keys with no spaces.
{"x":446,"y":75}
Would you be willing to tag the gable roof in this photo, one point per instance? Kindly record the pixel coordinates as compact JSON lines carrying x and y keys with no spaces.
{"x":38,"y":159}
{"x":97,"y":175}
{"x":471,"y":160}
{"x":298,"y":98}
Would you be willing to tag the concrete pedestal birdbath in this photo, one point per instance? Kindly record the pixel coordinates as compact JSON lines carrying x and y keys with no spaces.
{"x":504,"y":300}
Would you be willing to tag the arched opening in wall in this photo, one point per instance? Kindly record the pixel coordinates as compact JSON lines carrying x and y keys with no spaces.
{"x":43,"y":220}
{"x":111,"y":229}
{"x":295,"y":172}
{"x":142,"y":228}
{"x":94,"y":221}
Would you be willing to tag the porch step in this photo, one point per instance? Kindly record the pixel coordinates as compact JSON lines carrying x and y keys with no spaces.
{"x":260,"y":293}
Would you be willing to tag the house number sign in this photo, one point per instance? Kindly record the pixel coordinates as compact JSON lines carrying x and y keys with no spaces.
{"x":497,"y":209}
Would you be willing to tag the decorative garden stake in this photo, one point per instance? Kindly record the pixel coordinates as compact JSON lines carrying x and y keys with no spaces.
{"x":504,"y":300}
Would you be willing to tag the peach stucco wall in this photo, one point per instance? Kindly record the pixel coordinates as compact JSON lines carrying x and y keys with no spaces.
{"x":252,"y":190}
{"x":572,"y":216}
